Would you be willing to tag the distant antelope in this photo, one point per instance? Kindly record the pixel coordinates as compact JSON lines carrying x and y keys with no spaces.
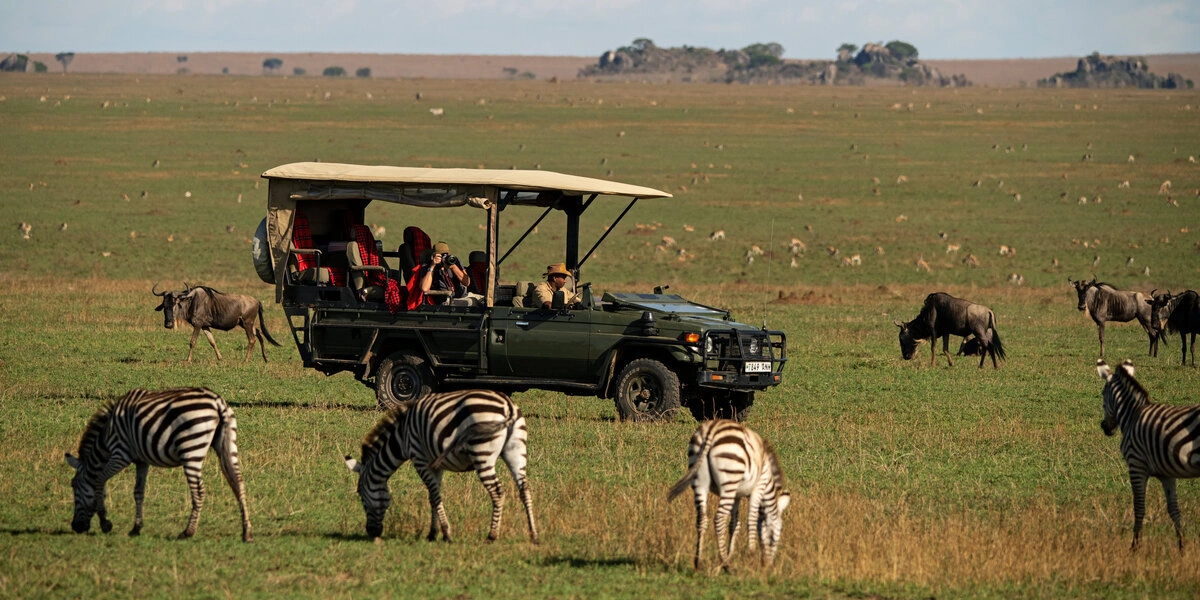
{"x":971,"y":261}
{"x":1164,"y":187}
{"x":952,"y":248}
{"x":922,"y":265}
{"x":716,"y":235}
{"x":1124,"y":185}
{"x":24,"y":228}
{"x":668,"y":241}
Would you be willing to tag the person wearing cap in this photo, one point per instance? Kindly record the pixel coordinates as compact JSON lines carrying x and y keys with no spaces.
{"x":556,"y":279}
{"x":442,"y":271}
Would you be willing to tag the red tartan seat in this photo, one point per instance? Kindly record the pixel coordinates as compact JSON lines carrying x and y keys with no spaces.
{"x":477,"y":268}
{"x":304,"y":260}
{"x":369,"y":277}
{"x":416,"y":242}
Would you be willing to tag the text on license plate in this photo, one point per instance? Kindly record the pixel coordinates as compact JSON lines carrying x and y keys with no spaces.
{"x":758,"y":367}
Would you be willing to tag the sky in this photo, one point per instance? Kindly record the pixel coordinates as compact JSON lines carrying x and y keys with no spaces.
{"x":940,"y":29}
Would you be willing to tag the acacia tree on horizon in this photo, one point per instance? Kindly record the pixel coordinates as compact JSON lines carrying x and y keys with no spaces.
{"x":272,"y":65}
{"x":65,"y":58}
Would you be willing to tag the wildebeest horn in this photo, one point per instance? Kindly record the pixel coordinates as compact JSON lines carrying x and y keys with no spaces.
{"x":897,"y":323}
{"x":155,"y":291}
{"x":1155,"y":290}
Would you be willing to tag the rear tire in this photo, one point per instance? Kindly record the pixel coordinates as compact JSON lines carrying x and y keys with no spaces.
{"x":403,"y":377}
{"x":647,"y":391}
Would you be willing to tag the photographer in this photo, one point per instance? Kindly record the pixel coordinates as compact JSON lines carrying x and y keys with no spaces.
{"x":442,"y":272}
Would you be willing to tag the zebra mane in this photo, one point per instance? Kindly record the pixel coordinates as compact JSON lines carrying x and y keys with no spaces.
{"x":94,"y":428}
{"x":776,"y":470}
{"x":381,"y":431}
{"x":1126,"y":386}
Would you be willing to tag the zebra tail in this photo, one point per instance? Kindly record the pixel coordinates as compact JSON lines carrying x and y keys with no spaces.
{"x":686,"y":481}
{"x":225,"y":442}
{"x":466,"y":436}
{"x":262,"y":325}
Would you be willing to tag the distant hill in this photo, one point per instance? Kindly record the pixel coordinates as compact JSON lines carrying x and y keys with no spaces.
{"x":1012,"y":72}
{"x":893,"y":63}
{"x":1096,"y":71}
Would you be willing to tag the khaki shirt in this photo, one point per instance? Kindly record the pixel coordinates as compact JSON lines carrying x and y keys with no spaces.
{"x":544,"y":292}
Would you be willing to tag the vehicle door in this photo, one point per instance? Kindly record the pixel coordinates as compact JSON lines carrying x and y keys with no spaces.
{"x":536,"y":342}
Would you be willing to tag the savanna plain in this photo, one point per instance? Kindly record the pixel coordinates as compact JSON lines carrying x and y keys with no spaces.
{"x":907,"y":480}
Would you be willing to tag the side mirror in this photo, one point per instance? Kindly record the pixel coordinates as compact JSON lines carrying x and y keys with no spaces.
{"x":586,"y":298}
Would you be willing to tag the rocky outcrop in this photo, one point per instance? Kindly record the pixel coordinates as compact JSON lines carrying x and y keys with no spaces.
{"x":15,"y":63}
{"x":1096,"y":71}
{"x":895,"y":63}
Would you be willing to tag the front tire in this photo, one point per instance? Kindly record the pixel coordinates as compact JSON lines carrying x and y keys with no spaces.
{"x":647,"y":391}
{"x":403,"y":377}
{"x":709,"y":405}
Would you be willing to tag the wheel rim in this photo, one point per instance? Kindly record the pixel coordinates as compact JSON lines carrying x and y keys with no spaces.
{"x":645,"y":392}
{"x":405,"y":382}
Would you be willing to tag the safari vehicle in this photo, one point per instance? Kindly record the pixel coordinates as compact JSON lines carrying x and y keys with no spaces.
{"x":650,"y":352}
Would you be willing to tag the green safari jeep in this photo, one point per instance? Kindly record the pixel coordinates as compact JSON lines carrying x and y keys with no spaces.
{"x":652,"y":353}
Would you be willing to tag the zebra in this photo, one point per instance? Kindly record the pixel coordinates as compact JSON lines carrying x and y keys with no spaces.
{"x":167,"y":428}
{"x":734,"y":462}
{"x":1157,"y":440}
{"x":452,"y":431}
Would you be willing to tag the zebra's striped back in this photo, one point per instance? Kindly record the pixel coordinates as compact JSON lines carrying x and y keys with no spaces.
{"x":453,"y":431}
{"x":733,"y":462}
{"x":167,"y":428}
{"x":1157,"y":440}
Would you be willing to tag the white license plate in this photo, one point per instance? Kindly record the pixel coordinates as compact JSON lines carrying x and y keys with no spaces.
{"x":758,"y":367}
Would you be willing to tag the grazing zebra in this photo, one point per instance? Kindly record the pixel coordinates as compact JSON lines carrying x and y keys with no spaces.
{"x":168,"y":428}
{"x":734,"y":462}
{"x":1157,"y":440}
{"x":452,"y":431}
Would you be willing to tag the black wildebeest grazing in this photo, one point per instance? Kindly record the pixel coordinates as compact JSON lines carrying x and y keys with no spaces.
{"x":205,"y":308}
{"x":944,"y":315}
{"x":1179,"y":312}
{"x":1106,"y":303}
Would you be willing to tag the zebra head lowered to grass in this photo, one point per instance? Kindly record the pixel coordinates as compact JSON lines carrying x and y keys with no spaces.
{"x":168,"y":428}
{"x":1157,"y":440}
{"x":733,"y":462}
{"x":943,"y":315}
{"x":453,"y":431}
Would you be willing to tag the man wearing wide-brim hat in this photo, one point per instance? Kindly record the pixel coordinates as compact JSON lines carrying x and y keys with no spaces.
{"x":556,"y":279}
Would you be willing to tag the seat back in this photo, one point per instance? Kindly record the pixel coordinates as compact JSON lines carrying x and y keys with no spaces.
{"x":362,"y":250}
{"x":477,"y":268}
{"x":415,"y":243}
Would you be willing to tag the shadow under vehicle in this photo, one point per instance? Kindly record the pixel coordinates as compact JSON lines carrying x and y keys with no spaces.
{"x":652,"y":353}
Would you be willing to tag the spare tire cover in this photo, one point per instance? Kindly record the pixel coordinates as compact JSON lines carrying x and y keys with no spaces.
{"x":261,"y":252}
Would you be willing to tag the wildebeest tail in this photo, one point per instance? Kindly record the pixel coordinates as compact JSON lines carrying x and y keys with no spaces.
{"x":262,"y":324}
{"x":686,"y":481}
{"x":997,"y":345}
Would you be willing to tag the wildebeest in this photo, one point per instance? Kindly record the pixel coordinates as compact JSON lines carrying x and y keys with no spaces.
{"x":1106,"y":303}
{"x":944,"y":315}
{"x":205,"y":308}
{"x":1179,"y":312}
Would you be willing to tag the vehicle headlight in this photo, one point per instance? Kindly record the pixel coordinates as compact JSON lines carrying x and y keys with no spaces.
{"x":708,"y":345}
{"x":753,"y":347}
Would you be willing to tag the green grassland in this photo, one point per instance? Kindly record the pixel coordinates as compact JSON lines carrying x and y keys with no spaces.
{"x":907,"y":480}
